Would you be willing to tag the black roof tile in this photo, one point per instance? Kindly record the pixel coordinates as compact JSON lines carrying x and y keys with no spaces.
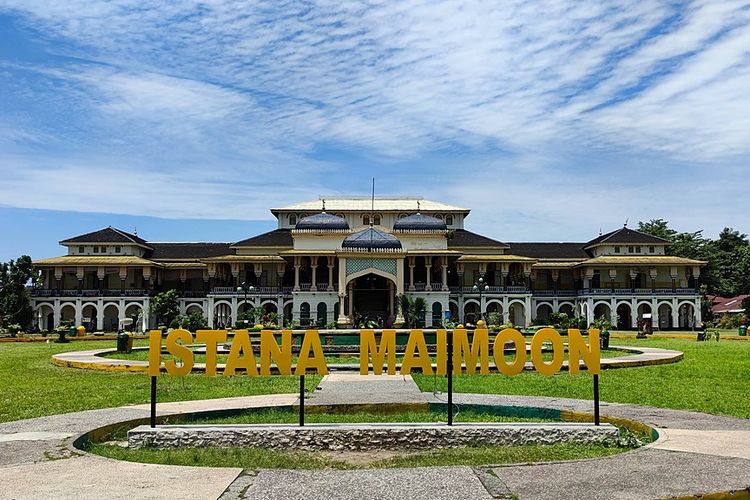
{"x":464,"y":238}
{"x":275,"y":238}
{"x":188,"y":250}
{"x":107,"y":235}
{"x":549,"y":250}
{"x":626,"y":236}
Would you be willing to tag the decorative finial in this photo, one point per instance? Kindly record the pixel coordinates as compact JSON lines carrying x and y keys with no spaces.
{"x":135,"y":230}
{"x":418,"y":206}
{"x":626,"y":222}
{"x":600,"y":231}
{"x":324,"y":205}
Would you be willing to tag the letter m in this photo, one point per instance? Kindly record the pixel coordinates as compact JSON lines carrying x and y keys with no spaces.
{"x":369,"y":349}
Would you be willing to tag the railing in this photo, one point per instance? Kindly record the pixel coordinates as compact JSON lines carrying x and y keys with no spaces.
{"x":637,"y":291}
{"x":258,"y":290}
{"x":192,"y":294}
{"x":134,"y":292}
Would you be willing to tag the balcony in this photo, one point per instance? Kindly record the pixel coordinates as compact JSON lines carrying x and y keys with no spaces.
{"x":258,"y":290}
{"x":490,"y":290}
{"x":638,"y":291}
{"x":90,"y":293}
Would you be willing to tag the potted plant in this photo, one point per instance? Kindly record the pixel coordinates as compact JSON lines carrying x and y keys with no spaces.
{"x":603,"y":325}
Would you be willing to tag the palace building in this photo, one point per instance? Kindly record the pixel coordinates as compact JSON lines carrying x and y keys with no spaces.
{"x":348,"y":259}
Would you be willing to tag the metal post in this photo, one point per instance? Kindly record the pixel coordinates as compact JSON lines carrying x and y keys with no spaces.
{"x":302,"y":401}
{"x":450,"y":377}
{"x":596,"y":399}
{"x":153,"y":402}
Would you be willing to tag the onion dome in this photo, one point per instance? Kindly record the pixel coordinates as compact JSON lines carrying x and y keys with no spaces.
{"x":419,"y":222}
{"x":371,"y":240}
{"x":322,"y":222}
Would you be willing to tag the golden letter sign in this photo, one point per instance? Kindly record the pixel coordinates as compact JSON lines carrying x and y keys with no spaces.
{"x":382,"y":354}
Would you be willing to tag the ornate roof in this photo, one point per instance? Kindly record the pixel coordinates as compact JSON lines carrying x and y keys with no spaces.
{"x":322,"y":222}
{"x":107,"y":235}
{"x":419,"y":222}
{"x":371,"y":240}
{"x":626,"y":236}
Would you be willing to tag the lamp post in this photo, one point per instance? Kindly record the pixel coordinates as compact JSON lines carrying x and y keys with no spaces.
{"x":245,"y":287}
{"x":480,"y":286}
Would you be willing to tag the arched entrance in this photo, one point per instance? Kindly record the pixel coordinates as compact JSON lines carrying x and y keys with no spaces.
{"x":373,"y":298}
{"x":46,"y":317}
{"x":89,"y":317}
{"x":686,"y":316}
{"x":665,"y":316}
{"x":111,"y":318}
{"x":543,"y":312}
{"x":623,"y":317}
{"x":602,"y":310}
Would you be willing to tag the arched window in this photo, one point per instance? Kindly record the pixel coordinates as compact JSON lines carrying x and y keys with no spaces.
{"x":401,"y":216}
{"x":448,"y":220}
{"x":322,"y":314}
{"x":293,"y":220}
{"x":439,"y":216}
{"x":304,"y":314}
{"x":366,"y":220}
{"x":376,"y":220}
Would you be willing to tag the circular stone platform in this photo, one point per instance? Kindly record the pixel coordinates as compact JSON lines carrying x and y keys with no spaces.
{"x":97,"y":359}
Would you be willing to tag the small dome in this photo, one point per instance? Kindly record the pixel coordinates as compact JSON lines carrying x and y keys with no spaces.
{"x":371,"y":239}
{"x":322,"y":222}
{"x":419,"y":222}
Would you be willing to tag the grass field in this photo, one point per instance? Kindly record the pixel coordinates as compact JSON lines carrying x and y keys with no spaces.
{"x":714,"y":377}
{"x":256,"y":458}
{"x":32,"y":386}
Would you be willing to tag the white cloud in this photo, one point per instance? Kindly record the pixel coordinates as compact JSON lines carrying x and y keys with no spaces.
{"x":206,"y":97}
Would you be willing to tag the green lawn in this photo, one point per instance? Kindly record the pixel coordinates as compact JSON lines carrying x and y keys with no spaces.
{"x":258,"y":458}
{"x":32,"y":386}
{"x":714,"y":377}
{"x":280,"y":416}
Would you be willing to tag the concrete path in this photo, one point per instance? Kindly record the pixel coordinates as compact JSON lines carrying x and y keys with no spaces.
{"x":700,"y":453}
{"x":355,"y":389}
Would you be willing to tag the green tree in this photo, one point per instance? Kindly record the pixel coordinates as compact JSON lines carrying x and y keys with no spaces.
{"x":15,"y":300}
{"x":165,"y":306}
{"x":729,"y":261}
{"x":659,"y":228}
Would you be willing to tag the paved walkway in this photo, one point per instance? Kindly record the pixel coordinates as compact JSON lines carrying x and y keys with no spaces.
{"x":699,"y":454}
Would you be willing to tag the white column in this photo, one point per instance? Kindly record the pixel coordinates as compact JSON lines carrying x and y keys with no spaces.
{"x":100,"y":314}
{"x":444,"y":276}
{"x":296,"y":274}
{"x":351,"y":301}
{"x":411,"y":274}
{"x":527,"y":310}
{"x":698,"y":312}
{"x":79,"y":312}
{"x":634,"y":313}
{"x":314,"y":271}
{"x":675,"y":314}
{"x":330,"y":273}
{"x":145,"y":313}
{"x":428,"y":269}
{"x":342,"y":319}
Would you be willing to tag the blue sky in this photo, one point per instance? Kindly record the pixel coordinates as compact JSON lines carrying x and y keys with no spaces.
{"x":549,"y":119}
